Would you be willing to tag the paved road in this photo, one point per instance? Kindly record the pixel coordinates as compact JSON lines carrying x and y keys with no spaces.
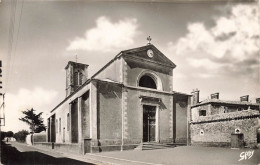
{"x":15,"y":153}
{"x":185,"y":155}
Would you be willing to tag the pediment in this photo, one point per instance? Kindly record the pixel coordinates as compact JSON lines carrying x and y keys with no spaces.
{"x":141,"y":53}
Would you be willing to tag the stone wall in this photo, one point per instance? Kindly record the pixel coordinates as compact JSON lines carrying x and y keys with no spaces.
{"x":216,"y":130}
{"x":217,"y":108}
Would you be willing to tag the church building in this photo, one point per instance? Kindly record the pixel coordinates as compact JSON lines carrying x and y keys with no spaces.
{"x":128,"y":102}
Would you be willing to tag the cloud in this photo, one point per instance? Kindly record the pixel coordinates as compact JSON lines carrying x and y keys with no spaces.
{"x":233,"y":41}
{"x":38,"y":98}
{"x":107,"y":36}
{"x":204,"y":75}
{"x":202,"y":62}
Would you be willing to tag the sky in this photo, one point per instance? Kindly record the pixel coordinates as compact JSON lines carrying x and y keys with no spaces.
{"x":213,"y":44}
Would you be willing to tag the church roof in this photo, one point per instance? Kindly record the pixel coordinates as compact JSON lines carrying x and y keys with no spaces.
{"x":75,"y":63}
{"x":141,"y":52}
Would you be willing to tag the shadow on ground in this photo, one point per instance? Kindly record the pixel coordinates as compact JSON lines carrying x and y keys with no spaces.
{"x":10,"y":155}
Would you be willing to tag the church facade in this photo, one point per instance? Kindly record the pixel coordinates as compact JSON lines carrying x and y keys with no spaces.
{"x":128,"y":102}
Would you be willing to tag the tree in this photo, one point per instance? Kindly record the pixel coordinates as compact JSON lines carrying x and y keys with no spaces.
{"x":3,"y":135}
{"x":35,"y":121}
{"x":21,"y":135}
{"x":9,"y":134}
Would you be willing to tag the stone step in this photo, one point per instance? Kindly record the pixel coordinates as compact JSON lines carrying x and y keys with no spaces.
{"x":153,"y":145}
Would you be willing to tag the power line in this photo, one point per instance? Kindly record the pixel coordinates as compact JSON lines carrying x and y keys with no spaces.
{"x":11,"y":37}
{"x":17,"y":36}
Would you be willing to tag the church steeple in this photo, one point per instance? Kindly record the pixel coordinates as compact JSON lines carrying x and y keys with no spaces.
{"x":76,"y":75}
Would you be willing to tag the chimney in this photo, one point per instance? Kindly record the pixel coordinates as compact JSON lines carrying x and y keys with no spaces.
{"x":195,"y":96}
{"x":257,"y":100}
{"x":244,"y":98}
{"x":214,"y":96}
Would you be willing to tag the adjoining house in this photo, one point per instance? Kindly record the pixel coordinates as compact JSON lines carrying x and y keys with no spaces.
{"x":216,"y":122}
{"x":128,"y":102}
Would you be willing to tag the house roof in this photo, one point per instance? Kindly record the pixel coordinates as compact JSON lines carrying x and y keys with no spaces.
{"x":225,"y":102}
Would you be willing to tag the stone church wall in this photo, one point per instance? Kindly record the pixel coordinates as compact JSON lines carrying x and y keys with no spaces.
{"x":112,"y":72}
{"x":133,"y":121}
{"x":133,"y":70}
{"x":109,"y":125}
{"x":61,"y":113}
{"x":132,"y":117}
{"x":181,"y":122}
{"x":85,"y":116}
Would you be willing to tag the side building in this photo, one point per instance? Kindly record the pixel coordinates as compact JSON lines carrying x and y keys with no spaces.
{"x":128,"y":102}
{"x":215,"y":122}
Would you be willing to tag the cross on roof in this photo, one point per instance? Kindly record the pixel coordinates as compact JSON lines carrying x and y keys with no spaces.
{"x":149,"y":39}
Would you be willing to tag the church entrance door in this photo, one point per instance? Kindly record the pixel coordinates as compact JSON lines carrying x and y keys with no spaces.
{"x":149,"y":123}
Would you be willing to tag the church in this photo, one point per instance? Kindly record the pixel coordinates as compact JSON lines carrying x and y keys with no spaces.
{"x":128,"y":102}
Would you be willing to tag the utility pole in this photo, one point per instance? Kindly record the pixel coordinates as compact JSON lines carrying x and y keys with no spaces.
{"x":2,"y":112}
{"x":2,"y":106}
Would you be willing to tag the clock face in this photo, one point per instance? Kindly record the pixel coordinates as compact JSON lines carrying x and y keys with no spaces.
{"x":150,"y":53}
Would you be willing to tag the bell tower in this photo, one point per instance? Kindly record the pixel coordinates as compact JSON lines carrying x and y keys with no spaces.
{"x":76,"y":75}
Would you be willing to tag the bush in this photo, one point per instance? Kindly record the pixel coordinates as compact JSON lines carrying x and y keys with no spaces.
{"x":21,"y":135}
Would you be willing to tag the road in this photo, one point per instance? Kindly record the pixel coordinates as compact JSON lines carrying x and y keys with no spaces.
{"x":17,"y":153}
{"x":183,"y":155}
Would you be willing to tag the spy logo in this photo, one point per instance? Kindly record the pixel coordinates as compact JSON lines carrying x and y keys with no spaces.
{"x":246,"y":155}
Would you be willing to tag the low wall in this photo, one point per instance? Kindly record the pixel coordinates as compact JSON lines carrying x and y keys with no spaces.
{"x":104,"y":145}
{"x":87,"y":146}
{"x":218,"y":133}
{"x":61,"y":147}
{"x":39,"y":137}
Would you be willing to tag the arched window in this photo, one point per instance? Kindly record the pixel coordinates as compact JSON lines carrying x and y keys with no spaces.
{"x":68,"y":122}
{"x":56,"y":125}
{"x":76,"y":78}
{"x":147,"y":81}
{"x":80,"y":78}
{"x":59,"y":125}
